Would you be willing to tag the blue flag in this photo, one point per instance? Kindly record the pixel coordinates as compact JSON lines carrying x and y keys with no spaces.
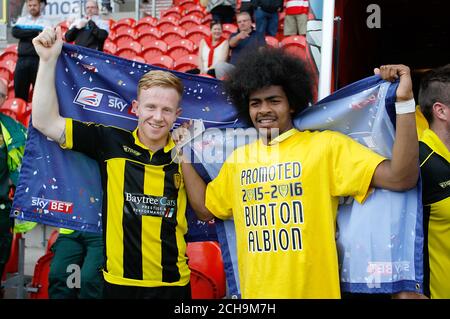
{"x":62,"y":187}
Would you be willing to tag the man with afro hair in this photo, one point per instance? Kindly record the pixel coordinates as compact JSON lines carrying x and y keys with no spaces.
{"x":282,"y":190}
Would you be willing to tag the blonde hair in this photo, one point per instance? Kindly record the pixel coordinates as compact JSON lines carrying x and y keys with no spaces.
{"x":160,"y":78}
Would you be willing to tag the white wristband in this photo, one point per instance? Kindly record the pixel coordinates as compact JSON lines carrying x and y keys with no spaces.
{"x":405,"y":107}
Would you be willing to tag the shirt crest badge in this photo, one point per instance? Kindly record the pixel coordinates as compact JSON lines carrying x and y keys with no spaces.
{"x":177,"y":180}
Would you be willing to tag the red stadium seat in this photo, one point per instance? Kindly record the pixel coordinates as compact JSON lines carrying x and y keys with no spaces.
{"x":189,"y":21}
{"x":281,"y":16}
{"x":147,"y":20}
{"x":39,"y":284}
{"x":51,"y":240}
{"x":152,"y":49}
{"x":163,"y":61}
{"x":130,"y":22}
{"x":206,"y":75}
{"x":174,"y":12}
{"x":138,"y":58}
{"x":153,"y":31}
{"x":111,"y":35}
{"x":295,"y":44}
{"x":125,"y":30}
{"x":207,"y":270}
{"x":9,"y":64}
{"x":167,"y":23}
{"x":6,"y":74}
{"x":11,"y":93}
{"x":141,"y":27}
{"x":196,"y":33}
{"x":12,"y":266}
{"x":15,"y":106}
{"x":172,"y":34}
{"x":207,"y":19}
{"x":24,"y":117}
{"x":9,"y":56}
{"x":180,"y":48}
{"x":186,"y":62}
{"x":197,"y":10}
{"x":109,"y":47}
{"x":130,"y":50}
{"x":146,"y":39}
{"x":272,"y":41}
{"x":123,"y":40}
{"x":186,"y":5}
{"x":12,"y":48}
{"x":229,"y":28}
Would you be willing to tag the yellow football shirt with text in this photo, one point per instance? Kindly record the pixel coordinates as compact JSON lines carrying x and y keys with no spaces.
{"x":284,"y":199}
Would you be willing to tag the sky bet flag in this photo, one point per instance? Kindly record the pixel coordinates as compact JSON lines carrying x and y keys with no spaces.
{"x":380,"y":242}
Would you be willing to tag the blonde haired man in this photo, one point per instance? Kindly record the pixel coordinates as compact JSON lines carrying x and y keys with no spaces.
{"x":144,"y":198}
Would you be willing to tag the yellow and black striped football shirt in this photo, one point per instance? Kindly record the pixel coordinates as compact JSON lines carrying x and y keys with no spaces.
{"x":435,"y":171}
{"x":144,"y":205}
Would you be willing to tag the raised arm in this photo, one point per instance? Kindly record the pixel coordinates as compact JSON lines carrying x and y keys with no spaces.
{"x":196,"y":191}
{"x":234,"y":41}
{"x":195,"y":186}
{"x":401,"y":172}
{"x":45,"y":111}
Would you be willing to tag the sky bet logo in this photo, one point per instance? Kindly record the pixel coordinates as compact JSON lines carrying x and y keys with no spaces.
{"x":104,"y":101}
{"x":44,"y":205}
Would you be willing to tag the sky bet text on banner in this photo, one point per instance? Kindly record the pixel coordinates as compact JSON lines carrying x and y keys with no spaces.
{"x":380,"y":242}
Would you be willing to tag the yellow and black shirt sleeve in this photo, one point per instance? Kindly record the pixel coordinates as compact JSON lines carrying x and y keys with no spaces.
{"x":84,"y":137}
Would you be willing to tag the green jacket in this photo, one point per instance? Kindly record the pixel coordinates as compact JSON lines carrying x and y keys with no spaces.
{"x":12,"y":146}
{"x":13,"y":136}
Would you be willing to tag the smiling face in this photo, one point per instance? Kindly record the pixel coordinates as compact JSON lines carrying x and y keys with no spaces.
{"x":157,"y":109}
{"x":216,"y":31}
{"x":269,"y":109}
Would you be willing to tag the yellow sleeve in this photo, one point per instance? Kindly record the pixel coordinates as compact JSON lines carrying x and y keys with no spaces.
{"x":421,"y":122}
{"x":69,"y":134}
{"x":66,"y":231}
{"x":352,"y":167}
{"x":218,"y":197}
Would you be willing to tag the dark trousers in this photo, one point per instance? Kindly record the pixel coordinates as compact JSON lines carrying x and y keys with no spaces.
{"x":6,"y":235}
{"x":224,"y":14}
{"x":25,"y":76}
{"x":266,"y":22}
{"x":112,"y":291}
{"x":85,"y":250}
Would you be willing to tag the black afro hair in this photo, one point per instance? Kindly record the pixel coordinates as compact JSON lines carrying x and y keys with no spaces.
{"x":266,"y":67}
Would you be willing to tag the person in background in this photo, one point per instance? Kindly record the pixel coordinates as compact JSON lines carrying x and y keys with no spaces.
{"x":12,"y":145}
{"x":266,"y":15}
{"x":247,"y":6}
{"x":90,"y":31}
{"x":26,"y":28}
{"x":222,"y":10}
{"x":434,"y":154}
{"x":246,"y":39}
{"x":212,"y":50}
{"x":296,"y":17}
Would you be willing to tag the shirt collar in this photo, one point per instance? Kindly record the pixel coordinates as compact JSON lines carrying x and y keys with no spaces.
{"x":430,"y":138}
{"x":169,"y":145}
{"x":282,"y":137}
